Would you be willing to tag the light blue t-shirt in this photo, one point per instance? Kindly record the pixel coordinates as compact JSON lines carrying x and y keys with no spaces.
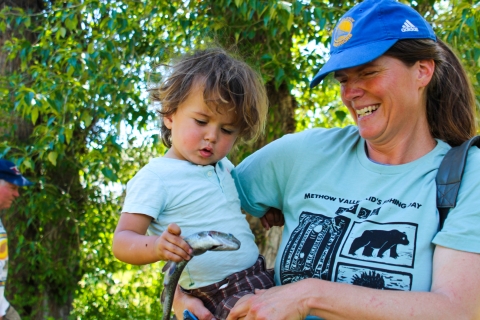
{"x":350,"y":220}
{"x":197,"y":198}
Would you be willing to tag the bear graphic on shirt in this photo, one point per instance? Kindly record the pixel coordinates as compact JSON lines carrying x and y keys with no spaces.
{"x":382,"y":240}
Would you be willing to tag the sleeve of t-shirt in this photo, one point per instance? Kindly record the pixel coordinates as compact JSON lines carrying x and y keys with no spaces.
{"x":146,"y":194}
{"x":262,"y":177}
{"x":461,"y":228}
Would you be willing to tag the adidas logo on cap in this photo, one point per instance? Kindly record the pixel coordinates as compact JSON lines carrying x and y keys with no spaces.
{"x":408,"y":26}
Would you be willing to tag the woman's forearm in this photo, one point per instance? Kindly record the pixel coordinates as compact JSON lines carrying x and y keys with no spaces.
{"x":332,"y":300}
{"x":455,"y":294}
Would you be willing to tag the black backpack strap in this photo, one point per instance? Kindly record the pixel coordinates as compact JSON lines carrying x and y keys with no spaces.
{"x":450,"y":175}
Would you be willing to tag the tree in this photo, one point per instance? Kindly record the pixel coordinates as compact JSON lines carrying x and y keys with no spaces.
{"x":74,"y":76}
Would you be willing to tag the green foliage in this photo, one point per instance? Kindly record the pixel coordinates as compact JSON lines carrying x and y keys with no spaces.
{"x":458,"y":24}
{"x":75,"y":116}
{"x":128,"y":294}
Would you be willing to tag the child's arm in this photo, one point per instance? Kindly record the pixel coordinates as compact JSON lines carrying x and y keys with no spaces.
{"x":131,"y":245}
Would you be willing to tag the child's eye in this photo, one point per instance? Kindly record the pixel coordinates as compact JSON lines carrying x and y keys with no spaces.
{"x":227,"y":131}
{"x":200,"y":122}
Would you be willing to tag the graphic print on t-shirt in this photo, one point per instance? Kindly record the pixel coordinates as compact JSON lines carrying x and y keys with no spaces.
{"x":312,"y":247}
{"x":384,"y":243}
{"x":321,"y":245}
{"x":373,"y":277}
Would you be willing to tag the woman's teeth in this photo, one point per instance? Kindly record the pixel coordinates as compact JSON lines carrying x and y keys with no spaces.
{"x":366,"y":111}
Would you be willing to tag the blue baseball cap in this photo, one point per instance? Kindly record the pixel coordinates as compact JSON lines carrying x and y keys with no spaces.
{"x":10,"y":173}
{"x":368,"y":30}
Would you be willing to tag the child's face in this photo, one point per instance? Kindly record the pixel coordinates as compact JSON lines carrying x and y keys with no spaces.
{"x":200,"y":135}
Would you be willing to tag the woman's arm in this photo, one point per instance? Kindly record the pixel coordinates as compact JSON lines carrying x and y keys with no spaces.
{"x":455,"y":294}
{"x":131,"y":245}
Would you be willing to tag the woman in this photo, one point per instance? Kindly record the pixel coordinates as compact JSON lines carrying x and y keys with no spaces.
{"x":359,"y":203}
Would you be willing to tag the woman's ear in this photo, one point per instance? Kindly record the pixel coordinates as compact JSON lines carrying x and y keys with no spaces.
{"x":426,"y":68}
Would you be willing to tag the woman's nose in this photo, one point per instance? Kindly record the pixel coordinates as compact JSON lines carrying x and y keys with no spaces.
{"x":351,"y":91}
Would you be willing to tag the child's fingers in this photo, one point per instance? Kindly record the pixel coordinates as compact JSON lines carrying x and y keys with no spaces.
{"x":264,"y":222}
{"x":173,"y":247}
{"x":275,"y":217}
{"x":174,"y":229}
{"x":169,"y":250}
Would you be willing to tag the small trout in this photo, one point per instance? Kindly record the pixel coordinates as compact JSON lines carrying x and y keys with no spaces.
{"x":200,"y":242}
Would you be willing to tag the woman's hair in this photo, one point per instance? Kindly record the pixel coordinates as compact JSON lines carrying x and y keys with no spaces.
{"x":230,"y":85}
{"x":450,"y":95}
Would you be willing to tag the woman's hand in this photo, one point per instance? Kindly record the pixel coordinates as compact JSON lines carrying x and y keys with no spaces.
{"x":183,"y":301}
{"x":273,"y":217}
{"x":280,"y":303}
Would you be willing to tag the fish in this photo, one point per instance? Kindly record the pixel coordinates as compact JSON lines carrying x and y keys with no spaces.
{"x":200,"y":242}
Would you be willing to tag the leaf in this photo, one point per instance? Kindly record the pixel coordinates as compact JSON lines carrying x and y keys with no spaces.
{"x":28,"y":164}
{"x":52,"y":157}
{"x":69,"y":133}
{"x":27,"y":22}
{"x":290,"y":21}
{"x":340,"y":115}
{"x":34,"y":115}
{"x":71,"y":23}
{"x":86,"y":118}
{"x":62,"y":32}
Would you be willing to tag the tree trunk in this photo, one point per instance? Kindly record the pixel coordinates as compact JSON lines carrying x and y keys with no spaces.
{"x":280,"y":122}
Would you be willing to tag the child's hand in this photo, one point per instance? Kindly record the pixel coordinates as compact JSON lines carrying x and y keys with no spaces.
{"x":273,"y":217}
{"x":171,"y":246}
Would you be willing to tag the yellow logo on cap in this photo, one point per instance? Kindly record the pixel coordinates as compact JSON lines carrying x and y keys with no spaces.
{"x":343,"y":31}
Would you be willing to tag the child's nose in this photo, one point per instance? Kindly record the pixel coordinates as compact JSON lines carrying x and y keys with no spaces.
{"x":211,"y":135}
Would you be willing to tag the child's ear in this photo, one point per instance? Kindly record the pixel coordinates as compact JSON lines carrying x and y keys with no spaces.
{"x":167,"y":121}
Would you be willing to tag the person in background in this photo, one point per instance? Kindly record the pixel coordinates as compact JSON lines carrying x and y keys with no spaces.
{"x":209,"y":102}
{"x":361,"y":238}
{"x":10,"y":181}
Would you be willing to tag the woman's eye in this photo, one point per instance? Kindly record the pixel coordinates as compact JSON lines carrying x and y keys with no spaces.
{"x":370,"y":73}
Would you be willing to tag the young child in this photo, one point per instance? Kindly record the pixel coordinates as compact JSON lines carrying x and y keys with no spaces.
{"x":209,"y":102}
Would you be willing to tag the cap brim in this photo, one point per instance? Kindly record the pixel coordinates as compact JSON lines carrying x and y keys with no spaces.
{"x":16,"y":180}
{"x":352,"y":57}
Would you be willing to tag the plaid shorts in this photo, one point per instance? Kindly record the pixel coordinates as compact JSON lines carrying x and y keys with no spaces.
{"x":220,"y":297}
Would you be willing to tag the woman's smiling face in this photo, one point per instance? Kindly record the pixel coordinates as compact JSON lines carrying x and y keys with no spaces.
{"x":385,"y":97}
